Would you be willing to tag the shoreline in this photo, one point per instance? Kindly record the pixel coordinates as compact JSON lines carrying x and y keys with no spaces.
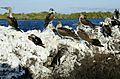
{"x":42,"y":15}
{"x":54,"y":19}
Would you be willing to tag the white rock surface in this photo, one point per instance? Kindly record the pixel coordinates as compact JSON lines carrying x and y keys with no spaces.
{"x":17,"y":50}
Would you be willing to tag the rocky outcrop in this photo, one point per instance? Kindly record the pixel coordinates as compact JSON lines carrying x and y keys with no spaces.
{"x":61,"y":58}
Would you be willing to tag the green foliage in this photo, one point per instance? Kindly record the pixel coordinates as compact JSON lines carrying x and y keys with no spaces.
{"x":42,"y":15}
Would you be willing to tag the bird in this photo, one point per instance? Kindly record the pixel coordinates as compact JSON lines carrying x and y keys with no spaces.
{"x":84,"y":36}
{"x":106,"y":29}
{"x":84,"y":21}
{"x":115,"y":21}
{"x":11,"y":20}
{"x":50,"y":16}
{"x":62,"y":31}
{"x":117,"y":13}
{"x":96,"y":42}
{"x":36,"y":40}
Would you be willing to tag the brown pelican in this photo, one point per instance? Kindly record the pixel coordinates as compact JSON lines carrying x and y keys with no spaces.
{"x":11,"y":20}
{"x":86,"y":22}
{"x":83,"y":35}
{"x":116,"y":12}
{"x":115,"y":22}
{"x":36,"y":40}
{"x":49,"y":17}
{"x":106,"y":29}
{"x":65,"y":31}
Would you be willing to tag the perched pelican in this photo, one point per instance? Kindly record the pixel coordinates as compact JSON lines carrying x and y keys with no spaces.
{"x":115,"y":22}
{"x":116,"y":12}
{"x":111,"y":22}
{"x":106,"y":29}
{"x":83,"y":35}
{"x":65,"y":31}
{"x":49,"y":17}
{"x":36,"y":40}
{"x":11,"y":20}
{"x":96,"y":42}
{"x":84,"y":21}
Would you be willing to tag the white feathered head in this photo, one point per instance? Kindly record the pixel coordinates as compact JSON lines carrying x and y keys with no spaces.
{"x":51,"y":10}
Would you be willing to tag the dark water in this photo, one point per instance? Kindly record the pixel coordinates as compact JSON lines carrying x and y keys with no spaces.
{"x":39,"y":24}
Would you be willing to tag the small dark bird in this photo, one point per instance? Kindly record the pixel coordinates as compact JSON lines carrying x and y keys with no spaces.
{"x":36,"y":40}
{"x":96,"y":42}
{"x":65,"y":31}
{"x":106,"y":29}
{"x":11,"y":20}
{"x":49,"y":17}
{"x":57,"y":58}
{"x":86,"y":22}
{"x":116,"y":12}
{"x":83,"y":35}
{"x":115,"y":22}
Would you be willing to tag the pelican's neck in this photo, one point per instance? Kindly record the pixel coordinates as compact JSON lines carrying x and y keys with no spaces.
{"x":79,"y":19}
{"x":79,"y":25}
{"x":10,"y":13}
{"x":59,"y":25}
{"x":77,"y":28}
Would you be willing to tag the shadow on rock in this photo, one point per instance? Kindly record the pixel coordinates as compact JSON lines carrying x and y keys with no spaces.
{"x":101,"y":66}
{"x":19,"y":72}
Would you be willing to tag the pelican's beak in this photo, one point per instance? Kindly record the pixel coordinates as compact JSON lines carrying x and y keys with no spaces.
{"x":77,"y":24}
{"x":4,"y":8}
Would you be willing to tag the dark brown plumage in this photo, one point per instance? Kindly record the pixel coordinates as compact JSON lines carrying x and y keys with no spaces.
{"x":65,"y":31}
{"x":13,"y":22}
{"x":117,"y":13}
{"x":106,"y":30}
{"x":36,"y":40}
{"x":86,"y":22}
{"x":96,"y":42}
{"x":83,"y":35}
{"x":48,"y":19}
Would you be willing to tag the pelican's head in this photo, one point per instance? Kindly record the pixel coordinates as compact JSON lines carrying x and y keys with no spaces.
{"x":59,"y":25}
{"x":7,"y":8}
{"x":103,"y":23}
{"x":51,"y":10}
{"x":81,"y":16}
{"x":108,"y":21}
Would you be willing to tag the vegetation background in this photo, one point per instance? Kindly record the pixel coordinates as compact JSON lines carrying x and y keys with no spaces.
{"x":42,"y":15}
